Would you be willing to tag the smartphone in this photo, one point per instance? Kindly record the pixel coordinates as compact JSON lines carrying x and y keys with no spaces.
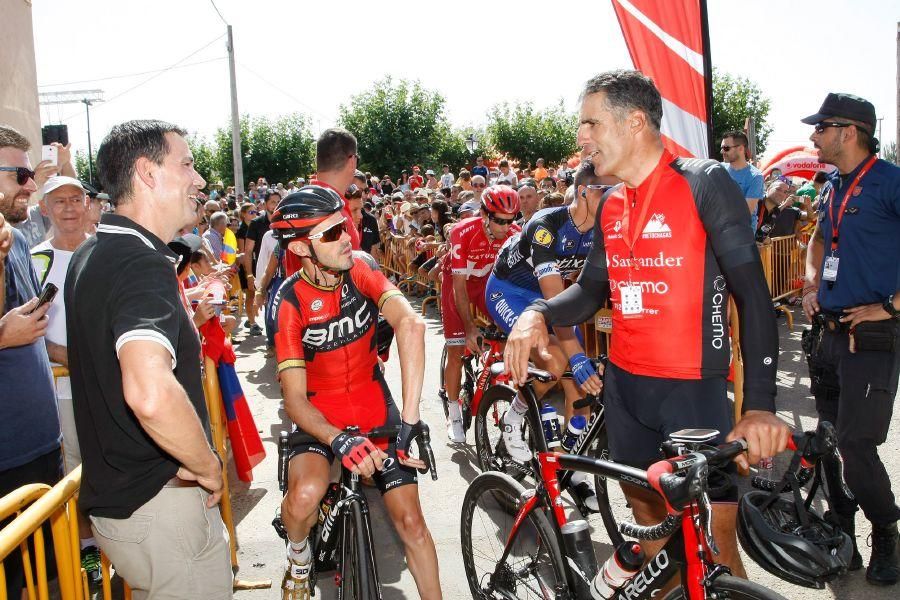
{"x":50,"y":153}
{"x":47,"y":295}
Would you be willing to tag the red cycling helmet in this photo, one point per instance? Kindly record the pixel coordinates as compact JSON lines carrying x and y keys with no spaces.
{"x":500,"y":199}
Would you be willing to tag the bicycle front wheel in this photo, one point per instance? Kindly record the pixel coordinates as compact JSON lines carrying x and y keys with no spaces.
{"x":734,"y":588}
{"x":534,"y":567}
{"x":492,"y":453}
{"x":359,"y":580}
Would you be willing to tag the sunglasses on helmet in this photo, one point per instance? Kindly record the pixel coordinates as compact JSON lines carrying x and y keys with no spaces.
{"x":23,"y":174}
{"x":332,"y":234}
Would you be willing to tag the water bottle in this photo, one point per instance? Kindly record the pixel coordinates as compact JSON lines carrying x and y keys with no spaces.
{"x":573,"y":432}
{"x":550,"y":421}
{"x":580,"y":551}
{"x":328,"y":501}
{"x":618,"y":570}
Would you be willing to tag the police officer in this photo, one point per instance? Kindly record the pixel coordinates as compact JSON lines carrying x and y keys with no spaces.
{"x":851,"y":295}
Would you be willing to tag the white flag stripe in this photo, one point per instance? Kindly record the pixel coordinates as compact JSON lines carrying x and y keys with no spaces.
{"x":694,"y":59}
{"x":684,"y":128}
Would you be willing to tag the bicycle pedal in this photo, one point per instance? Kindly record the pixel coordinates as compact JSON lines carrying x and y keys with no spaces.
{"x":280,"y":529}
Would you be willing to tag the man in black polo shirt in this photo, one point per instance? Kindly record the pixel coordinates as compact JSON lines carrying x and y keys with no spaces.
{"x":150,"y":481}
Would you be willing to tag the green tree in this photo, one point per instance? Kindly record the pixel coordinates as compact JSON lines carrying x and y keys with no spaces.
{"x":400,"y":124}
{"x":889,"y":153}
{"x":735,"y":99}
{"x":278,"y":149}
{"x":205,"y":161}
{"x":525,"y":133}
{"x":82,"y":170}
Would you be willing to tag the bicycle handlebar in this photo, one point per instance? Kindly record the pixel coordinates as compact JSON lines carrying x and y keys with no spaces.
{"x":651,"y":532}
{"x":423,"y":441}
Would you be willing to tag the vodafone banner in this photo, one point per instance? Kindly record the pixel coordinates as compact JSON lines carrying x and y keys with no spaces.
{"x":666,"y":43}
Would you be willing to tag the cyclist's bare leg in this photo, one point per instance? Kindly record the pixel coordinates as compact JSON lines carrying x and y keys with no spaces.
{"x":649,"y":509}
{"x":308,"y":475}
{"x":453,"y":372}
{"x":403,"y":506}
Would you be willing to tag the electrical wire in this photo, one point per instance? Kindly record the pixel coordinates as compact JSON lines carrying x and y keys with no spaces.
{"x":152,"y":77}
{"x":129,"y":75}
{"x":218,"y":12}
{"x":286,"y":93}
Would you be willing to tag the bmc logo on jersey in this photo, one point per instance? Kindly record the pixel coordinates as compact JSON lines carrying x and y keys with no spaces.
{"x":657,"y":228}
{"x":339,"y":332}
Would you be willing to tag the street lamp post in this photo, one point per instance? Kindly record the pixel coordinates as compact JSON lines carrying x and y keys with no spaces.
{"x":471,"y":143}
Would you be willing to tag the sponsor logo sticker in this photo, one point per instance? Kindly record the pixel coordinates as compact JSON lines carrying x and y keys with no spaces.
{"x":316,"y":304}
{"x":543,"y":237}
{"x":657,"y":227}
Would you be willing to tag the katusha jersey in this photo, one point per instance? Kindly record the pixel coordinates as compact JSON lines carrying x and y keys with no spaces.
{"x":472,"y":253}
{"x":550,"y":244}
{"x":330,"y":331}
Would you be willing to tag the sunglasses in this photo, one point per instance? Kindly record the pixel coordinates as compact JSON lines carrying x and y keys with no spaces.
{"x":332,"y":234}
{"x":501,"y":222}
{"x":821,"y":127}
{"x":594,"y":187}
{"x":23,"y":174}
{"x":727,"y":148}
{"x":478,"y":185}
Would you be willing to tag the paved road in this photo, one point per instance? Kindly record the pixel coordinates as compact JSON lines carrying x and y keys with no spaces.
{"x":261,"y":554}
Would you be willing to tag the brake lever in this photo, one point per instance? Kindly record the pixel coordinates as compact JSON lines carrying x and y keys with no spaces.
{"x":706,"y":522}
{"x":840,"y":462}
{"x":424,"y":443}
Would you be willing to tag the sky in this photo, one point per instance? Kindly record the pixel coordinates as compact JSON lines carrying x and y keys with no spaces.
{"x":311,"y":57}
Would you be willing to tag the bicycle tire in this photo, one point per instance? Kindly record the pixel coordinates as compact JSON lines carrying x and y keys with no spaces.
{"x":733,"y":588}
{"x":489,"y":445}
{"x":600,"y":449}
{"x":442,"y":390}
{"x":536,"y":566}
{"x":357,"y":579}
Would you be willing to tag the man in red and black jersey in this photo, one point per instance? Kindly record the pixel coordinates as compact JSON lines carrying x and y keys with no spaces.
{"x":325,"y":342}
{"x":670,"y":245}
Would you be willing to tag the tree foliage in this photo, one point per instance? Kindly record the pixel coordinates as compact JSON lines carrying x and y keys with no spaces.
{"x":735,"y":99}
{"x":400,"y":124}
{"x":278,"y":149}
{"x":204,"y":158}
{"x":525,"y":133}
{"x":82,"y":170}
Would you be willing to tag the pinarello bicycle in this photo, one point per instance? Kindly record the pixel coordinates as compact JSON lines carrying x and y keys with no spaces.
{"x":534,"y":553}
{"x":341,"y":540}
{"x":493,"y":456}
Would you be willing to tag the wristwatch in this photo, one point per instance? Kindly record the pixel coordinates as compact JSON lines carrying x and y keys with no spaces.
{"x":889,"y":307}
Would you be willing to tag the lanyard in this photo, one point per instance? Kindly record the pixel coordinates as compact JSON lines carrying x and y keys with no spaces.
{"x":836,"y":223}
{"x":628,"y":236}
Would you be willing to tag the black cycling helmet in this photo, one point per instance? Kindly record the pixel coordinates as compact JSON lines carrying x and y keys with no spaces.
{"x":773,"y":534}
{"x":298,"y":213}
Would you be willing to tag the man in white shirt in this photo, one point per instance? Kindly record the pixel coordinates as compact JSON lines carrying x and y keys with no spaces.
{"x":447,"y":178}
{"x":65,"y":204}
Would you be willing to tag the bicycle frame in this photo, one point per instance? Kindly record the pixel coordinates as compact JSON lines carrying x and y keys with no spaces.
{"x":492,"y":354}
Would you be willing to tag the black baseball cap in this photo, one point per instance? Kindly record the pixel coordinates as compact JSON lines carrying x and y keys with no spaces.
{"x":845,"y":106}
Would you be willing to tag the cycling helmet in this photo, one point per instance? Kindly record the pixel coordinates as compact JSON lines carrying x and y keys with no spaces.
{"x":500,"y":199}
{"x":772,"y":533}
{"x":298,"y":213}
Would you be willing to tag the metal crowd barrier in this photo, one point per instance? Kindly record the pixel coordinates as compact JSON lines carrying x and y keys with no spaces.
{"x":398,"y":255}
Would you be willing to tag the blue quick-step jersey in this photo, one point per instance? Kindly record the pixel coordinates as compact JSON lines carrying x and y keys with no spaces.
{"x":549,"y":244}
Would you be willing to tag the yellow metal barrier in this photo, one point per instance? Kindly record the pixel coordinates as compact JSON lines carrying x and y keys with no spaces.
{"x":36,"y":504}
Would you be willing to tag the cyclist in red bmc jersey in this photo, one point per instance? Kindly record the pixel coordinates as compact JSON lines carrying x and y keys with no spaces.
{"x":670,"y":245}
{"x":327,"y":314}
{"x":474,"y":243}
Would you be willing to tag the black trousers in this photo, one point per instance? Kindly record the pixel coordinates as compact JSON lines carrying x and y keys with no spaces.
{"x":855,"y":392}
{"x":44,"y":469}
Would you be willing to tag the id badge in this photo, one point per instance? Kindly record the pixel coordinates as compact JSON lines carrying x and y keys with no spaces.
{"x":632,"y":301}
{"x":829,"y":273}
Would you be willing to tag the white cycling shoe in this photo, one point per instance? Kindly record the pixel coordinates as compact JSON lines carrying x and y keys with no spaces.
{"x":514,"y":440}
{"x":456,"y":433}
{"x":584,"y":488}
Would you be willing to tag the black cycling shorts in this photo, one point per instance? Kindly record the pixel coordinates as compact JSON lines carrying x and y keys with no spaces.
{"x":641,"y":412}
{"x":393,"y":475}
{"x":242,"y":277}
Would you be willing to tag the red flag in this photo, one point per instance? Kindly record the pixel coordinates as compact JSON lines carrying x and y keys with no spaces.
{"x":669,"y":42}
{"x":246,"y":445}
